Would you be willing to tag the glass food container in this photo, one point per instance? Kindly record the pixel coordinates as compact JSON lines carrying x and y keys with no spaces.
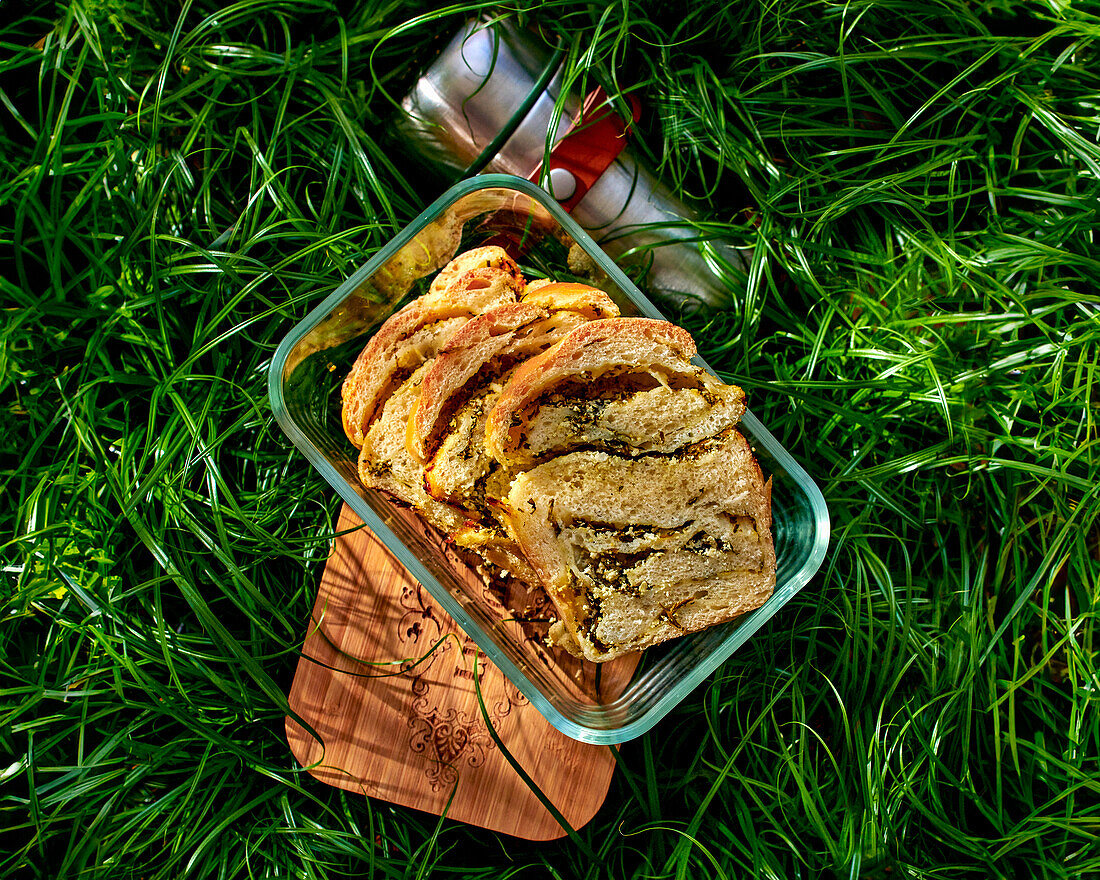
{"x":596,"y":703}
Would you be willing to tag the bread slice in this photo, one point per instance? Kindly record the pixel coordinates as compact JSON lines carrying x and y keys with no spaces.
{"x":385,"y":463}
{"x":635,"y":551}
{"x":625,"y":385}
{"x":469,"y":285}
{"x":487,"y":257}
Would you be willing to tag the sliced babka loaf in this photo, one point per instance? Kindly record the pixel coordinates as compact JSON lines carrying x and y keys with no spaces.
{"x":569,"y":447}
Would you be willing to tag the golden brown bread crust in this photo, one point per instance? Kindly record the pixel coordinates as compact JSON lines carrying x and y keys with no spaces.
{"x":583,"y":299}
{"x":406,"y":339}
{"x":536,"y":284}
{"x":488,"y":257}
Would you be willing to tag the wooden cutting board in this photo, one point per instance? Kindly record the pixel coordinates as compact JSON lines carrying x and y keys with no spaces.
{"x":411,"y":733}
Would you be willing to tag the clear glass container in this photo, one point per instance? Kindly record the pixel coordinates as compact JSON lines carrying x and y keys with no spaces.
{"x":596,"y":703}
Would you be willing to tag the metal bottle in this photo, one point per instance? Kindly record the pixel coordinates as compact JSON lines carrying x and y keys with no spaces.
{"x":487,"y":103}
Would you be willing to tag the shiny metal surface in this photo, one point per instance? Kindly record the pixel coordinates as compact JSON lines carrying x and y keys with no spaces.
{"x":525,"y":149}
{"x":637,"y":220}
{"x":471,"y":93}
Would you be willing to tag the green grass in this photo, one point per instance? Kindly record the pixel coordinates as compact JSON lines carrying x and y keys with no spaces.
{"x":920,"y":183}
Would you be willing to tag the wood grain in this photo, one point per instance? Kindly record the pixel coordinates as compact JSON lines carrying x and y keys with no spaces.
{"x":412,"y":732}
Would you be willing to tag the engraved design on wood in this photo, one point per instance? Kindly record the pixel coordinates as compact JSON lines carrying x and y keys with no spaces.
{"x":419,"y":629}
{"x":446,"y":737}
